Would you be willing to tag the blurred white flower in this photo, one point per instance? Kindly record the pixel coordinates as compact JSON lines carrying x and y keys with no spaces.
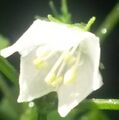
{"x":57,"y":57}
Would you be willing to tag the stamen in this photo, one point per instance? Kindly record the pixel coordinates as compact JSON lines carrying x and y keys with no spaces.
{"x":72,"y":74}
{"x":57,"y":81}
{"x":39,"y":63}
{"x":61,"y":69}
{"x":55,"y":76}
{"x":53,"y":80}
{"x":69,"y":58}
{"x":52,"y":76}
{"x":49,"y":55}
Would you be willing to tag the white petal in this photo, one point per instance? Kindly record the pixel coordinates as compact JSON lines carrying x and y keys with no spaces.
{"x":91,"y":48}
{"x":97,"y":83}
{"x":71,"y":95}
{"x":8,"y":51}
{"x":32,"y":84}
{"x":57,"y":36}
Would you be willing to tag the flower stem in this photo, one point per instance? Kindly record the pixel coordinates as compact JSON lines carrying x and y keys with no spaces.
{"x":66,"y":16}
{"x":5,"y":89}
{"x":106,"y":104}
{"x":9,"y":71}
{"x":53,"y":8}
{"x":109,"y":23}
{"x":9,"y":95}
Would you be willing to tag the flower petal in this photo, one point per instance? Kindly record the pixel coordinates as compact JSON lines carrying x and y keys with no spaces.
{"x":58,"y":36}
{"x":7,"y":51}
{"x":91,"y":49}
{"x":31,"y":80}
{"x":71,"y":95}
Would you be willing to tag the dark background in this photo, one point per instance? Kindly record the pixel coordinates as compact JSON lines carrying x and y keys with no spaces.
{"x":17,"y":15}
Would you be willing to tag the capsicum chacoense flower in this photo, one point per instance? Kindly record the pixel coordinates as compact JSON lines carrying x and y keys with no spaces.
{"x":57,"y":57}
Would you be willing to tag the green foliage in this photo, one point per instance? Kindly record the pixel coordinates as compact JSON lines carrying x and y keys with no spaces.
{"x":107,"y":104}
{"x":5,"y":67}
{"x":6,"y":111}
{"x":8,"y":70}
{"x":55,"y":116}
{"x":3,"y":42}
{"x":30,"y":113}
{"x":109,"y":23}
{"x":64,"y":16}
{"x":94,"y":115}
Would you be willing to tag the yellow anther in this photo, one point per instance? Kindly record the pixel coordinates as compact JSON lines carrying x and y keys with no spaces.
{"x":69,"y":58}
{"x":57,"y":81}
{"x":56,"y":75}
{"x":53,"y":80}
{"x":50,"y":78}
{"x":39,"y":63}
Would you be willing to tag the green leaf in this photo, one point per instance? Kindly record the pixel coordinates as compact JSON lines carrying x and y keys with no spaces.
{"x":106,"y":104}
{"x":8,"y":70}
{"x":3,"y":42}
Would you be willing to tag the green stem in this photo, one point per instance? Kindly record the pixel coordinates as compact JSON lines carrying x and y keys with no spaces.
{"x":64,"y":7}
{"x":9,"y":94}
{"x":5,"y":89}
{"x":52,"y":6}
{"x":65,"y":15}
{"x":9,"y":71}
{"x":109,"y":23}
{"x":106,"y":104}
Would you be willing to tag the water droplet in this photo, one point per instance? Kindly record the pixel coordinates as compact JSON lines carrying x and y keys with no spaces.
{"x":104,"y":31}
{"x":31,"y":104}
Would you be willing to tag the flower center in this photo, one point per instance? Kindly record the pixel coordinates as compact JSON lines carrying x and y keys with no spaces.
{"x":41,"y":61}
{"x":65,"y":69}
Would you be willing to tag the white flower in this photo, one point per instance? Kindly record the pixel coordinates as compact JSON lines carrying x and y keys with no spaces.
{"x":57,"y":57}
